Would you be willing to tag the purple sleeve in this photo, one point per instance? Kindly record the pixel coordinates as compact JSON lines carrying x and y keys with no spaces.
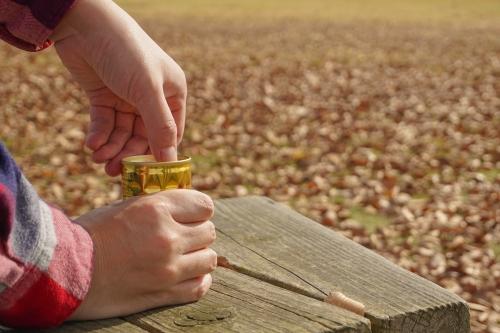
{"x":27,"y":24}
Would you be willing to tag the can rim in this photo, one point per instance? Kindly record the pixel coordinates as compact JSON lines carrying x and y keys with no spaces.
{"x":149,"y":160}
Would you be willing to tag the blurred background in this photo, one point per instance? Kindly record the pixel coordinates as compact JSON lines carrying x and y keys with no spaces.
{"x":379,"y":119}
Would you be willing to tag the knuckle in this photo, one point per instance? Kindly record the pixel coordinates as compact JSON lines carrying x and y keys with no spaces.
{"x":180,"y":81}
{"x":168,"y":241}
{"x":154,"y":209}
{"x":170,"y":125}
{"x":152,"y":82}
{"x":148,"y":82}
{"x":183,"y":87}
{"x":212,"y":260}
{"x":211,"y":231}
{"x":168,"y":131}
{"x":92,"y":142}
{"x":170,"y":273}
{"x":200,"y":291}
{"x":148,"y":203}
{"x":157,"y":206}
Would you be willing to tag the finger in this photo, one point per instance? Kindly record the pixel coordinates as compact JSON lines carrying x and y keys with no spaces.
{"x":197,"y":263}
{"x":189,"y":291}
{"x":124,"y":124}
{"x":137,"y":145}
{"x":160,"y":126}
{"x":187,"y":206}
{"x":177,"y":106}
{"x":175,"y":91}
{"x":196,"y":236}
{"x":102,"y":122}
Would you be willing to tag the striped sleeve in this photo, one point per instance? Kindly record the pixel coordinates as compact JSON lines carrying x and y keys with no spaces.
{"x":45,"y":259}
{"x":28,"y":24}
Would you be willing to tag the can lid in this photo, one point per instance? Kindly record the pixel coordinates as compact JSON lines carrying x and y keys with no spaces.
{"x":149,"y":160}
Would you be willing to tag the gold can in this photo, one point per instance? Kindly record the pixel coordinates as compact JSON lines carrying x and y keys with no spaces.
{"x":142,"y":174}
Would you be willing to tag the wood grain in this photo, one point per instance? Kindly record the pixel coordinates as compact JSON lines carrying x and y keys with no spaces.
{"x":274,"y":243}
{"x":246,"y":261}
{"x":284,"y":266}
{"x":254,"y":306}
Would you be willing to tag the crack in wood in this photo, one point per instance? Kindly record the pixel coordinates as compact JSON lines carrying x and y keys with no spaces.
{"x":269,"y":279}
{"x":334,"y":298}
{"x":282,"y":307}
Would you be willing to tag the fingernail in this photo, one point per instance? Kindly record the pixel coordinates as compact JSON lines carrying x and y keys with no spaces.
{"x":168,"y":154}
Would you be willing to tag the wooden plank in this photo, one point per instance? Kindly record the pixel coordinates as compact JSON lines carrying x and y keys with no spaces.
{"x":266,"y":234}
{"x":114,"y":325}
{"x":246,"y":261}
{"x":238,"y":303}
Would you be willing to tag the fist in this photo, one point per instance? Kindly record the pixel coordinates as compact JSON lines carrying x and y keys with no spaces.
{"x":149,"y":251}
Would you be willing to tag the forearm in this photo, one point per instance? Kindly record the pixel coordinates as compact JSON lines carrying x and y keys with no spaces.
{"x":45,"y":259}
{"x":86,"y":15}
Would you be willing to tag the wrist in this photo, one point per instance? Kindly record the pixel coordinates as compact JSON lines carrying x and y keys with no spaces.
{"x":65,"y":28}
{"x":88,"y":302}
{"x":84,"y":15}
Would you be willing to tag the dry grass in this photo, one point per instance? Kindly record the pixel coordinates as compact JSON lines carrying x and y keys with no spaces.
{"x":424,"y":11}
{"x":386,"y":130}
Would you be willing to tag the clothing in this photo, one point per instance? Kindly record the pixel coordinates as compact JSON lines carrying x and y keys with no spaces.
{"x":27,"y":24}
{"x":45,"y":259}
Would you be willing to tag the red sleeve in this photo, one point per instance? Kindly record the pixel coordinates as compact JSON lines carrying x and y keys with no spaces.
{"x":45,"y":258}
{"x":27,"y":24}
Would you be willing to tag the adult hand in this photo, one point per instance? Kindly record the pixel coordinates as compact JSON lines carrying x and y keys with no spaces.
{"x":137,"y":93}
{"x":149,"y":251}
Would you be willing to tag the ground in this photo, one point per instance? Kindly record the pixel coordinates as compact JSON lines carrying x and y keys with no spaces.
{"x":382,"y":122}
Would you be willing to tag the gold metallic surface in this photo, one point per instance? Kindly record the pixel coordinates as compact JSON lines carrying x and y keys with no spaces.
{"x":143,"y":175}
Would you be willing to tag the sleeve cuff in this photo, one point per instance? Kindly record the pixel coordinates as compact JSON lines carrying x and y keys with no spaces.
{"x":29,"y":26}
{"x":47,"y":297}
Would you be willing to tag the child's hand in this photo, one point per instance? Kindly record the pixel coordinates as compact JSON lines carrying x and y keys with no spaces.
{"x":137,"y":92}
{"x":149,"y":251}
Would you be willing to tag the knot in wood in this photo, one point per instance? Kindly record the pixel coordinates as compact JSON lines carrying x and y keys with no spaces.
{"x":203,"y":316}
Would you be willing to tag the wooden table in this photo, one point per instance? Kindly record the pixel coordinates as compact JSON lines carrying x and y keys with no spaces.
{"x":282,"y":267}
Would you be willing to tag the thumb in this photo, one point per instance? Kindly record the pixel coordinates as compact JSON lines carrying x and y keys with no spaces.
{"x":161,"y":127}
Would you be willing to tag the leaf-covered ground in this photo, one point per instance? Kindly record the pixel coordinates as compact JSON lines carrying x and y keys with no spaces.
{"x":386,"y":132}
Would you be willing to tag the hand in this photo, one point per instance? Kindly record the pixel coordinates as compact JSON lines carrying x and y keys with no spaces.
{"x":137,"y":93}
{"x":149,"y":251}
